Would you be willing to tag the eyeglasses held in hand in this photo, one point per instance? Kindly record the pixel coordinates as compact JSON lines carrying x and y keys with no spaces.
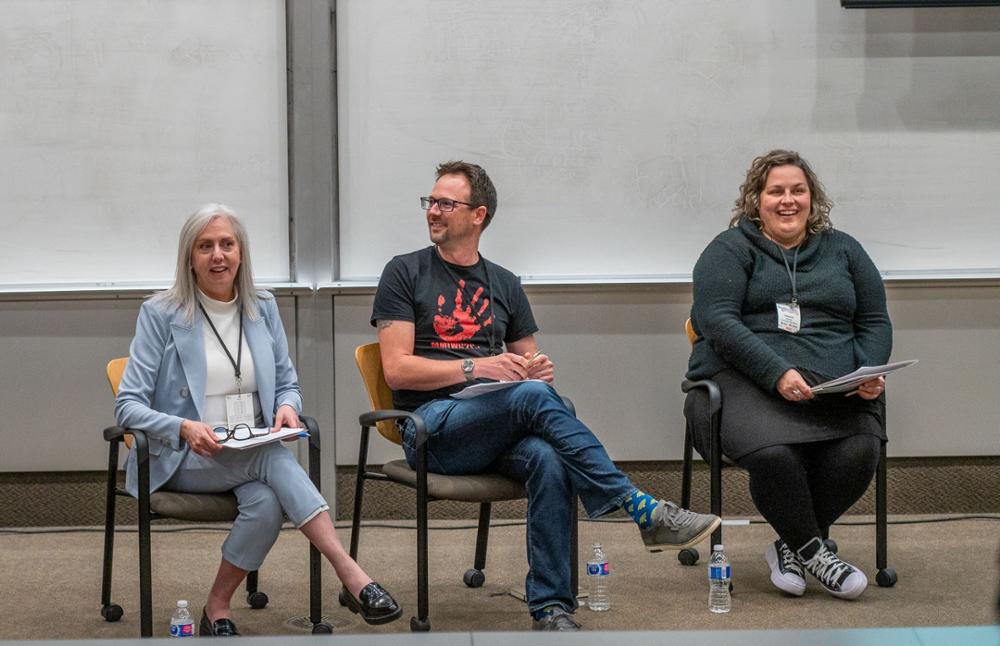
{"x":443,"y":203}
{"x":239,"y":432}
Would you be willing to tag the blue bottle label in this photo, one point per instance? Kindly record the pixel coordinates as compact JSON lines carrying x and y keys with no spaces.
{"x":598,"y":569}
{"x":719,"y":572}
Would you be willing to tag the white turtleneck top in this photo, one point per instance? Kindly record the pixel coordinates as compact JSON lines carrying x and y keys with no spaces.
{"x":220,"y":379}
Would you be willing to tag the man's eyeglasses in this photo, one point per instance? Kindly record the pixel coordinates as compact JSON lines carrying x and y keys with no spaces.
{"x":238,"y":432}
{"x":443,"y":203}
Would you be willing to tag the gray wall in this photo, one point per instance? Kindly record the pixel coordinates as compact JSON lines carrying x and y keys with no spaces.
{"x":619,"y":353}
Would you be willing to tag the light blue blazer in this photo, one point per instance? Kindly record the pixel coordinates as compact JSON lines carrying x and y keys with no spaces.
{"x":164,"y":382}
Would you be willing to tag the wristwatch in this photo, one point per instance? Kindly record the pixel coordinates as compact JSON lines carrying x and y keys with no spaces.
{"x":467,"y":366}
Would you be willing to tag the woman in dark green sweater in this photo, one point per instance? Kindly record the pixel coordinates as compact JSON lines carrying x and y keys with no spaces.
{"x":782,"y":302}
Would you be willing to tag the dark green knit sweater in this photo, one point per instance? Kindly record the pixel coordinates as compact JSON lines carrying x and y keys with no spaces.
{"x":739,"y":278}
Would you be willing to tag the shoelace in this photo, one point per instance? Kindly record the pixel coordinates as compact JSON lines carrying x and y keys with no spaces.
{"x":679,"y":517}
{"x":829,"y":569}
{"x":788,"y":560}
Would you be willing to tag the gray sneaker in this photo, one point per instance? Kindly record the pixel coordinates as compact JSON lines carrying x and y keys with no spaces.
{"x":558,"y":619}
{"x":676,"y":528}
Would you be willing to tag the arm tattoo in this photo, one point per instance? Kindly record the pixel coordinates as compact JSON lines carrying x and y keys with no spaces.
{"x":381,"y":325}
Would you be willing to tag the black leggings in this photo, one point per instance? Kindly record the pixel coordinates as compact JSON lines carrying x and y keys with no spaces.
{"x":801,"y":489}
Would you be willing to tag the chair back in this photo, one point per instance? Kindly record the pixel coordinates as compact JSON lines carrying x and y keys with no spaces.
{"x":369,"y":360}
{"x":115,"y":370}
{"x":689,"y":328}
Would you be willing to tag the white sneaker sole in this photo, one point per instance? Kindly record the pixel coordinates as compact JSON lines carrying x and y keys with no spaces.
{"x":791,"y":584}
{"x":852,"y":587}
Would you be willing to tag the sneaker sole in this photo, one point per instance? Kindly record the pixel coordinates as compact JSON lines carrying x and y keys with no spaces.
{"x":694,"y":540}
{"x":791,"y":587}
{"x":855,"y":591}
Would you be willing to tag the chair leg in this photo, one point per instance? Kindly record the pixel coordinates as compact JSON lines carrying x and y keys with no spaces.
{"x":716,"y":476}
{"x":574,"y":550}
{"x":474,"y":577}
{"x":145,"y":564}
{"x":110,"y":611}
{"x":359,"y":493}
{"x":886,"y":577}
{"x":255,"y":598}
{"x":686,"y":473}
{"x":421,"y":623}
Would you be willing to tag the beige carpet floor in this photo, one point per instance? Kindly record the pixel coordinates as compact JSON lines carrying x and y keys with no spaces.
{"x":948,"y":575}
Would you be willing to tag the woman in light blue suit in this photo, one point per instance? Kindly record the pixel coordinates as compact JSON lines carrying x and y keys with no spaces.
{"x":209,"y":352}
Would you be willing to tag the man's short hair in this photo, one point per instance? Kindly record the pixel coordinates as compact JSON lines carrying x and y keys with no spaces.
{"x":483,"y":193}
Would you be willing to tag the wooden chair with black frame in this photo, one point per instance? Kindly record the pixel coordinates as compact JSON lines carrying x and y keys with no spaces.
{"x":483,"y":489}
{"x":208,"y":508}
{"x":886,"y":577}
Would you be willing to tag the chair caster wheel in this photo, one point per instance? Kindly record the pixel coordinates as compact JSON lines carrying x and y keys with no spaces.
{"x":257,"y":600}
{"x":418,"y":626}
{"x":886,"y":578}
{"x":322,"y":628}
{"x":112,"y":612}
{"x":474,"y":578}
{"x":342,"y":597}
{"x":831,"y":545}
{"x":688,"y":556}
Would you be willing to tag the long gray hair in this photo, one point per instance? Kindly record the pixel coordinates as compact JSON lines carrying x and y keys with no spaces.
{"x":182,"y":294}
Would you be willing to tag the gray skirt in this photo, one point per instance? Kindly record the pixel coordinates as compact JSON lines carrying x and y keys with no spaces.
{"x":753,"y":418}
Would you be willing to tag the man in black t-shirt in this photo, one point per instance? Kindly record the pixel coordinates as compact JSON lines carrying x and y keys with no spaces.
{"x":448,"y":318}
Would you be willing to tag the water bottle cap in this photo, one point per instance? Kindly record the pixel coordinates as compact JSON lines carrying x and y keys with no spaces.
{"x":717,"y":548}
{"x":182,"y":604}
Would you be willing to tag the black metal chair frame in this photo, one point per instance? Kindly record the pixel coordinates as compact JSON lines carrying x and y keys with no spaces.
{"x":473,"y":577}
{"x":112,"y":611}
{"x":886,"y":577}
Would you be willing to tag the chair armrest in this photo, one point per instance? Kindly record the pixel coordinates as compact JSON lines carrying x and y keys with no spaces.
{"x":712,"y":388}
{"x":370,"y":418}
{"x":313,"y":428}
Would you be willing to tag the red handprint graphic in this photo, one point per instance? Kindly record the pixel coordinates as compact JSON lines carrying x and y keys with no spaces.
{"x":463,"y":322}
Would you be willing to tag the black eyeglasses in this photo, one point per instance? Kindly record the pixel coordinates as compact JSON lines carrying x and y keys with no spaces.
{"x":239,"y":432}
{"x":443,"y":203}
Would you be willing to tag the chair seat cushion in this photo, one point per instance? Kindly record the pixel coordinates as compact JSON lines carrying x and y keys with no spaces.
{"x":485,"y":487}
{"x":196,"y":507}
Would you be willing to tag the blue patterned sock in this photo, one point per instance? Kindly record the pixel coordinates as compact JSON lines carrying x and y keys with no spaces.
{"x":640,"y":506}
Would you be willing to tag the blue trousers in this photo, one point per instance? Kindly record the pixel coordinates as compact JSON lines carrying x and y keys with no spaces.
{"x":269,"y":484}
{"x":526,"y":433}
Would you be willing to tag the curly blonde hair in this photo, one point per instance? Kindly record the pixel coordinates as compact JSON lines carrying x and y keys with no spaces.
{"x":748,"y":203}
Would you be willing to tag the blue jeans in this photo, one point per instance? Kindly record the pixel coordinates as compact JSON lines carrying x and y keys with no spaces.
{"x":526,"y":433}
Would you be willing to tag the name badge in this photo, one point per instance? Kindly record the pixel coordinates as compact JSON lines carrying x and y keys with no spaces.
{"x":789,"y":317}
{"x":239,"y":410}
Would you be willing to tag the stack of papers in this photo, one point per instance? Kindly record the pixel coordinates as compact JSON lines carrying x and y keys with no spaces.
{"x":475,"y":390}
{"x":854,"y":379}
{"x":282,"y":434}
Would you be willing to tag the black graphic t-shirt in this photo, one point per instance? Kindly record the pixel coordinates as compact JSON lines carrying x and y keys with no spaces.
{"x":457,"y":312}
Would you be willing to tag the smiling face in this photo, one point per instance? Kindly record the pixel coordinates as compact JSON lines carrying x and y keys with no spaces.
{"x":215,"y":259}
{"x":461,"y":225}
{"x":785,"y":205}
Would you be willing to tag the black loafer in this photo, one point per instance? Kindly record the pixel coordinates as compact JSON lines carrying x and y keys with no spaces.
{"x":217,"y":628}
{"x":376,"y":606}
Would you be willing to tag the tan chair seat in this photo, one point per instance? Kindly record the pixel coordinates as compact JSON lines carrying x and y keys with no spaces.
{"x":486,"y":487}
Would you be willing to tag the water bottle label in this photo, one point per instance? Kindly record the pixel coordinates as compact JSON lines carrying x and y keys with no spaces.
{"x":719,"y":572}
{"x":182,"y":630}
{"x":598,"y":569}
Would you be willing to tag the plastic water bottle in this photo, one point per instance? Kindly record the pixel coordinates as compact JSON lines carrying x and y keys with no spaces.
{"x":719,"y":576}
{"x":182,"y":623}
{"x":597,"y":574}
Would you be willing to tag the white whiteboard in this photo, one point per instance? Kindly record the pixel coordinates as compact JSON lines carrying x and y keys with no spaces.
{"x":120,"y":117}
{"x":618,"y":133}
